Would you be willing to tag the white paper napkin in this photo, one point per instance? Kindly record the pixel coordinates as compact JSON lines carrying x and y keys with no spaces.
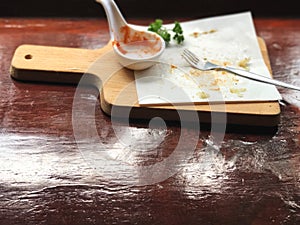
{"x":229,"y":39}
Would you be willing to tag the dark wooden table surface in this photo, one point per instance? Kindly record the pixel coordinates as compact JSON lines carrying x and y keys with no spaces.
{"x":45,"y":177}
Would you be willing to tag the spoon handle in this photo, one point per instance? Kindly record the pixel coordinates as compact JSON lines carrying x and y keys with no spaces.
{"x":114,"y":17}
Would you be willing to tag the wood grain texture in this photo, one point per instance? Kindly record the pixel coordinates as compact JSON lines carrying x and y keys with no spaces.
{"x":44,"y":178}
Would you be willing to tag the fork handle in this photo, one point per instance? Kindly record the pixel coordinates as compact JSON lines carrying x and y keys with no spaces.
{"x":260,"y":78}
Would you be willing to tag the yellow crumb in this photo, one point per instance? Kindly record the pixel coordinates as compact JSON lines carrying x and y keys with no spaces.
{"x":215,"y":89}
{"x":195,"y":72}
{"x":203,"y":95}
{"x":186,"y":76}
{"x":238,"y":91}
{"x":210,"y":31}
{"x":226,"y":63}
{"x":218,"y":82}
{"x":244,"y":63}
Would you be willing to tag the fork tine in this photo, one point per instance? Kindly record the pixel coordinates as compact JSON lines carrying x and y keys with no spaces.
{"x":188,"y":55}
{"x":188,"y":59}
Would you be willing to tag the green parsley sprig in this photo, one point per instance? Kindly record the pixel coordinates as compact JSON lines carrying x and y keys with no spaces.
{"x":178,"y":33}
{"x":157,"y":27}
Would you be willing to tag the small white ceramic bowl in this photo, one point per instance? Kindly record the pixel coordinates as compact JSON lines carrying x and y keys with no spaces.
{"x":140,"y":55}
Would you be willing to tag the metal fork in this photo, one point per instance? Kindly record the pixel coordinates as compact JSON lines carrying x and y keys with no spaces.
{"x":205,"y":65}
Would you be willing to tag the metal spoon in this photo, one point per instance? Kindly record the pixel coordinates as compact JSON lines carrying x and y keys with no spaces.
{"x":136,"y":49}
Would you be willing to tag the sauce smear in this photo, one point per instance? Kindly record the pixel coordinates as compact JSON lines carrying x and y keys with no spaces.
{"x":137,"y":44}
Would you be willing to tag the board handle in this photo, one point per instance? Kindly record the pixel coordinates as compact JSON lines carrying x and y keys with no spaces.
{"x":53,"y":64}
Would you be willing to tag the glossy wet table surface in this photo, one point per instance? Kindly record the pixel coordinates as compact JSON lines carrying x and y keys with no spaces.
{"x":48,"y":176}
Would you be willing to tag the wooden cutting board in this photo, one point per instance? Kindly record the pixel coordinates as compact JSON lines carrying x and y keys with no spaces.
{"x":101,"y":69}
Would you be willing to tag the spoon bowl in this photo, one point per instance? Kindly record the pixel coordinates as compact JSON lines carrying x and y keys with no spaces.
{"x":136,"y":49}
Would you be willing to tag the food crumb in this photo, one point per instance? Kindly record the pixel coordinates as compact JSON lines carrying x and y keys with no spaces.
{"x":215,"y":89}
{"x":203,"y":95}
{"x":212,"y":31}
{"x":195,"y":72}
{"x":238,"y":91}
{"x":218,"y":82}
{"x":173,"y":67}
{"x":226,"y":63}
{"x":197,"y":34}
{"x":186,"y":76}
{"x":244,"y":63}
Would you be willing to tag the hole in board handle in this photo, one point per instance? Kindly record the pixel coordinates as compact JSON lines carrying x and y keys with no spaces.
{"x":28,"y":57}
